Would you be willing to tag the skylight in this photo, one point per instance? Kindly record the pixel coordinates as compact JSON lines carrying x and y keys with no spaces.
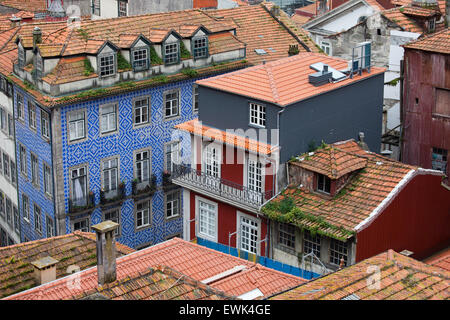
{"x":224,"y":274}
{"x":260,"y":51}
{"x":253,"y":294}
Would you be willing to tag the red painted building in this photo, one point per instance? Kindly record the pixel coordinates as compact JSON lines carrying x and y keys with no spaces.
{"x":346,"y":204}
{"x":426,"y":102}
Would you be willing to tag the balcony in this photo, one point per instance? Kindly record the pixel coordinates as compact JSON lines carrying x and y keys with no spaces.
{"x":113,"y":197}
{"x":233,"y":193}
{"x":82,"y":204}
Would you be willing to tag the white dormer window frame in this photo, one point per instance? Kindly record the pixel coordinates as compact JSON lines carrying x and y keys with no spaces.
{"x":140,"y":58}
{"x":326,"y":47}
{"x":171,"y":52}
{"x":199,"y":47}
{"x":107,"y":64}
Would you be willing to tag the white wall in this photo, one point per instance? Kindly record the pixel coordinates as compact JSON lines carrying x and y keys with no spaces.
{"x":346,"y":19}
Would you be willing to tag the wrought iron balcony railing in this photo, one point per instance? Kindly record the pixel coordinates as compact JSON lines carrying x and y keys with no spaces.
{"x":187,"y":176}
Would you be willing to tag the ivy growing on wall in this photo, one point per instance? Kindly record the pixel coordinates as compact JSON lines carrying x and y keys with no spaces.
{"x":122,"y":63}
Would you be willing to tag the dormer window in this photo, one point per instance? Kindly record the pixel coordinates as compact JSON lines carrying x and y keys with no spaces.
{"x":323,"y":183}
{"x":107,"y":65}
{"x":140,"y":60}
{"x":171,"y":53}
{"x":432,"y":25}
{"x":21,"y":57}
{"x":200,"y":47}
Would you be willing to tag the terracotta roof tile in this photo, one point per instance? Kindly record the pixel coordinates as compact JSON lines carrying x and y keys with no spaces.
{"x":441,"y":259}
{"x":16,"y":272}
{"x":192,"y":260}
{"x":332,"y":162}
{"x":197,"y":128}
{"x":159,"y":283}
{"x":27,"y":5}
{"x":284,"y":81}
{"x":401,"y":278}
{"x":339,"y":216}
{"x":299,"y":19}
{"x":435,"y":42}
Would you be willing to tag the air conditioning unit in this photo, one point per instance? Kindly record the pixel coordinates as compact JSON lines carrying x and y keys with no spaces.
{"x":361,"y":57}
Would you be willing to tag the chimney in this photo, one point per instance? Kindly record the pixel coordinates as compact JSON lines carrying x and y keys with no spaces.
{"x":37,"y":37}
{"x":106,"y":251}
{"x":293,"y":49}
{"x":15,"y":21}
{"x":44,"y":270}
{"x":362,"y":143}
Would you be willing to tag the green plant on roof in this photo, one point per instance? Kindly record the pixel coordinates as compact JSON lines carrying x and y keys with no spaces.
{"x":184,"y":53}
{"x":29,"y":85}
{"x":83,"y":33}
{"x":154,"y":58}
{"x":160,"y":79}
{"x":122,"y":63}
{"x":191,"y":73}
{"x":127,"y":84}
{"x":88,"y":69}
{"x":393,"y":82}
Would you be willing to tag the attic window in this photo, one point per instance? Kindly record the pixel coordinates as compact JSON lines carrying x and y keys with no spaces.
{"x":140,"y":58}
{"x":432,"y":25}
{"x":323,"y":183}
{"x":200,"y":47}
{"x":107,"y":65}
{"x":171,"y":53}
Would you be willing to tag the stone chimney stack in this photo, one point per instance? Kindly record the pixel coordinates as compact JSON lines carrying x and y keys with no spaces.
{"x":37,"y":36}
{"x":44,"y":270}
{"x":106,"y":251}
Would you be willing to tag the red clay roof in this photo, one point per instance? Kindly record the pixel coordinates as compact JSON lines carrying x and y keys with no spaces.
{"x":197,"y":128}
{"x":159,"y":283}
{"x":440,"y":259}
{"x":299,"y":19}
{"x":285,"y":81}
{"x":355,"y":205}
{"x":78,"y":248}
{"x":27,"y":5}
{"x":192,"y":260}
{"x":437,"y":42}
{"x":332,"y":162}
{"x":401,"y":278}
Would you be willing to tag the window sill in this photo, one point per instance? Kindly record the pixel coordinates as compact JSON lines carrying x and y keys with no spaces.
{"x":256,"y":126}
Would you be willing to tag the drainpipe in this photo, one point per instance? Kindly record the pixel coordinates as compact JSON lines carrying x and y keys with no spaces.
{"x":15,"y":157}
{"x":55,"y":219}
{"x":402,"y":122}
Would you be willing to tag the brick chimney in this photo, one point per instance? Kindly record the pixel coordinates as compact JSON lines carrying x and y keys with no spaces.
{"x":106,"y":251}
{"x":44,"y":270}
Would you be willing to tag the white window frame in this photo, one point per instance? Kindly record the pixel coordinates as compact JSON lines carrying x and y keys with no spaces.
{"x":325,"y":179}
{"x":176,"y":192}
{"x":37,"y":218}
{"x":255,"y":180}
{"x":171,"y":56}
{"x":108,"y":167}
{"x":48,"y":182}
{"x":32,"y":115}
{"x":339,"y":254}
{"x":195,"y":98}
{"x":169,"y":104}
{"x":257,"y":115}
{"x":85,"y":185}
{"x":240,"y":216}
{"x":174,"y":148}
{"x":49,"y":227}
{"x":139,"y":169}
{"x":326,"y":47}
{"x":198,"y":217}
{"x":45,"y":124}
{"x":34,"y":168}
{"x":20,"y":107}
{"x":23,"y":159}
{"x":25,"y":208}
{"x":108,"y":115}
{"x":144,"y":109}
{"x":149,"y":212}
{"x":314,"y":243}
{"x":76,"y":125}
{"x":212,"y":159}
{"x":81,"y":221}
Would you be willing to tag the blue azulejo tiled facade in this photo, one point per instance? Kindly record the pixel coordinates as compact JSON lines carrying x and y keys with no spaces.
{"x":91,"y":151}
{"x":34,"y":163}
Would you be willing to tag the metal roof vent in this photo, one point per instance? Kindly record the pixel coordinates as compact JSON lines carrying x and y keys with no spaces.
{"x":406,"y":253}
{"x":321,"y":77}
